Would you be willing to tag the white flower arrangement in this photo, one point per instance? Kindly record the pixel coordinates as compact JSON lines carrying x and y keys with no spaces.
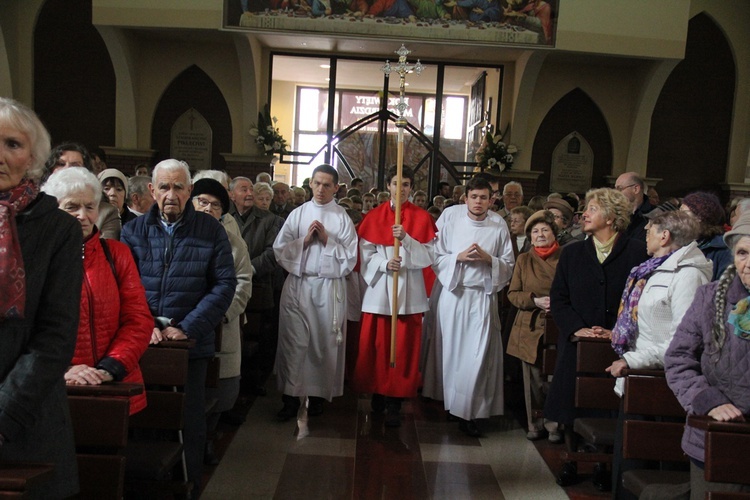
{"x":267,"y":135}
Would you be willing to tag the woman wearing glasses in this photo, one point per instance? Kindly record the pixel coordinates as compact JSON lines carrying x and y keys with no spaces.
{"x":210,"y":197}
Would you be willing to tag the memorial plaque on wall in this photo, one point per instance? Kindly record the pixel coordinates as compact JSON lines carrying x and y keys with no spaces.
{"x":572,"y":165}
{"x":191,"y":140}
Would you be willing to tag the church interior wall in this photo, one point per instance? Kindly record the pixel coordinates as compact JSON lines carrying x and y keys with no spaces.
{"x":202,"y":14}
{"x":19,"y":20}
{"x":78,"y":67}
{"x":610,"y":87}
{"x":691,"y":122}
{"x":732,"y":17}
{"x":160,"y":61}
{"x":6,"y":84}
{"x":283,"y":104}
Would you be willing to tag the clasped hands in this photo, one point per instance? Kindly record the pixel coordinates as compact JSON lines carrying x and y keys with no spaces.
{"x":474,"y":253}
{"x":169,"y":333}
{"x":595,"y":332}
{"x":316,"y":230}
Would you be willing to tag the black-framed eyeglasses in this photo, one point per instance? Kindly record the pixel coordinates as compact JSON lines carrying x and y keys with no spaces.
{"x":623,"y":188}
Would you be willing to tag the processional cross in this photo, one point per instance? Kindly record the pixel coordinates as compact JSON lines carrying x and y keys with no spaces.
{"x":402,"y":68}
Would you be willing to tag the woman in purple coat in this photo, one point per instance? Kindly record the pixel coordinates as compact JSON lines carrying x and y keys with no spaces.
{"x":707,"y":361}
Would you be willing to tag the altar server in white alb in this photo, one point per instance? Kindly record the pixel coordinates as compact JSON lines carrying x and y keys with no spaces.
{"x":473,"y":261}
{"x":318,"y":247}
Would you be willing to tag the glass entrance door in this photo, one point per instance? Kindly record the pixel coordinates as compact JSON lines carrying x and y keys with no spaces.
{"x":343,"y":112}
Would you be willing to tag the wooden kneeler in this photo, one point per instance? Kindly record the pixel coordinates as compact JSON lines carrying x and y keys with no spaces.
{"x":156,"y":450}
{"x":100,"y":427}
{"x":657,"y":434}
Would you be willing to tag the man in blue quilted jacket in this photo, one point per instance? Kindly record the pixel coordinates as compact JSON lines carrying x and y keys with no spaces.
{"x":186,"y":267}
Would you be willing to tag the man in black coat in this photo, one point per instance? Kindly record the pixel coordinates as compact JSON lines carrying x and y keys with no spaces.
{"x":258,"y":228}
{"x":632,"y":186}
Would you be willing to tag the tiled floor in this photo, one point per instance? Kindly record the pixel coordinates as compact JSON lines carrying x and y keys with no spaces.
{"x":347,"y":453}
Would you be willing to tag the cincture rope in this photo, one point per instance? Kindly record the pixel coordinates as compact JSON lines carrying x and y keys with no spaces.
{"x":337,"y":298}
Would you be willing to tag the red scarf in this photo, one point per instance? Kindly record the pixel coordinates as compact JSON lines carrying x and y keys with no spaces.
{"x":12,"y":272}
{"x":545,"y":252}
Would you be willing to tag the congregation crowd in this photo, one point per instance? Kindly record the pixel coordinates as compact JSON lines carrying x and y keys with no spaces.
{"x":311,"y":276}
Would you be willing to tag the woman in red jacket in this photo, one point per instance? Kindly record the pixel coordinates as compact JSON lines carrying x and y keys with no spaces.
{"x":115,"y":322}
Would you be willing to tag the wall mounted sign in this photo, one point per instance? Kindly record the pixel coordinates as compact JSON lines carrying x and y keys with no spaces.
{"x":572,"y":165}
{"x":190,"y":140}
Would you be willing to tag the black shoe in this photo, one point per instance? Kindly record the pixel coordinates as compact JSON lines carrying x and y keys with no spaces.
{"x":469,"y":427}
{"x":602,"y":479}
{"x":392,"y":419}
{"x":291,"y":406}
{"x":377,"y":403}
{"x":314,"y":406}
{"x":233,"y":417}
{"x":258,"y":391}
{"x":568,"y":475}
{"x":393,"y":412}
{"x":452,"y":418}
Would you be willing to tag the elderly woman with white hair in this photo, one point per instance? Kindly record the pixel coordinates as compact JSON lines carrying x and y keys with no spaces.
{"x":263,"y":195}
{"x":211,"y":197}
{"x":40,"y":279}
{"x":115,"y":322}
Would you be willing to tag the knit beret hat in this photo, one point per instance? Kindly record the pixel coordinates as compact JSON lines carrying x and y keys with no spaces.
{"x":560,"y":204}
{"x":215,"y":189}
{"x":541,"y":216}
{"x":108,"y":173}
{"x":706,"y":207}
{"x":741,"y":228}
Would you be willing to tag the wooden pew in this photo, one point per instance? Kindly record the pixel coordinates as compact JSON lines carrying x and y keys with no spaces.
{"x":100,"y":426}
{"x":18,"y":479}
{"x":656,"y":434}
{"x":155,"y":450}
{"x":726,"y":444}
{"x":595,"y":391}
